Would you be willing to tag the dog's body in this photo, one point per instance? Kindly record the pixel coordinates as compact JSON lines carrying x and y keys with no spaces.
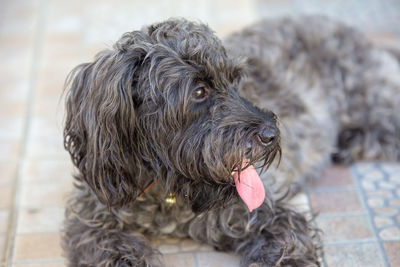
{"x":163,"y":106}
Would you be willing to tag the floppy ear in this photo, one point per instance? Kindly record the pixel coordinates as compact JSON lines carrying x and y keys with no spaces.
{"x":100,"y":128}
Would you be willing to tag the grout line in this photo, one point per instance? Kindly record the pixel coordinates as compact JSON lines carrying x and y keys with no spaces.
{"x":195,"y":259}
{"x":315,"y":224}
{"x":332,"y":189}
{"x":41,"y":260}
{"x":33,"y":79}
{"x":351,"y":242}
{"x":342,"y":214}
{"x":356,"y":178}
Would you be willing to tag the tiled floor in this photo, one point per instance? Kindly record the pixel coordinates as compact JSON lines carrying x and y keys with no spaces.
{"x":41,"y":40}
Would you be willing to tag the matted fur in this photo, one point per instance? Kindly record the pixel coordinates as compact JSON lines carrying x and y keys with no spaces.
{"x":133,"y":118}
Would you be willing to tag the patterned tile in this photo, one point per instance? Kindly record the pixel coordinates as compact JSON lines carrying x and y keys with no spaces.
{"x":382,"y":199}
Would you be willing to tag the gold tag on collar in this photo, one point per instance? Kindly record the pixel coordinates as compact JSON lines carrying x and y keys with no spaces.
{"x":170,"y":199}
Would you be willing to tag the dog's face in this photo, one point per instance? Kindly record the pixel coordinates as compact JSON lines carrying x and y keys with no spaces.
{"x":163,"y":104}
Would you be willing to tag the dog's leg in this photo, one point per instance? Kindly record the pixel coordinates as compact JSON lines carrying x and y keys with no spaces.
{"x":272,"y":235}
{"x":94,"y":236}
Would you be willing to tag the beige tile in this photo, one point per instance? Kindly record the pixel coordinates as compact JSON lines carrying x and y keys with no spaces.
{"x":53,"y":88}
{"x":179,"y":259}
{"x":35,"y":171}
{"x":49,"y":145}
{"x":335,"y":202}
{"x":37,"y":246}
{"x":6,"y":196}
{"x":336,"y":176}
{"x":50,"y":194}
{"x":40,"y":220}
{"x":392,"y":251}
{"x":16,"y":54}
{"x":13,"y":95}
{"x":2,"y":247}
{"x":8,"y":172}
{"x":42,"y":263}
{"x":345,"y":228}
{"x":49,"y":103}
{"x":47,"y":125}
{"x":212,"y":259}
{"x":4,"y":216}
{"x":189,"y":245}
{"x":10,"y":148}
{"x":168,"y":248}
{"x":351,"y":255}
{"x":11,"y":126}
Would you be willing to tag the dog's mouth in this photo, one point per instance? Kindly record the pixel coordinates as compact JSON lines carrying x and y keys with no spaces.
{"x":248,"y":183}
{"x":249,"y":186}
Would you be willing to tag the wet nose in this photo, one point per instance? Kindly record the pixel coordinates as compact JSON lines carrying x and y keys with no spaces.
{"x":268,"y":135}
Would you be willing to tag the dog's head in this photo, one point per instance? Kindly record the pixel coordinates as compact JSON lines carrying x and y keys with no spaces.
{"x":163,"y":104}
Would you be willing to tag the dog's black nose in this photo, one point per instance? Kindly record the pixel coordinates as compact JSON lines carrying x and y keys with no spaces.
{"x":268,"y":135}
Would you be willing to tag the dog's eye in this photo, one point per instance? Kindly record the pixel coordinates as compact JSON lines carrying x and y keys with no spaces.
{"x":200,"y":93}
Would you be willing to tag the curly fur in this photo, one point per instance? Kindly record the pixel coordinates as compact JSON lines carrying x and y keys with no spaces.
{"x":132,"y":118}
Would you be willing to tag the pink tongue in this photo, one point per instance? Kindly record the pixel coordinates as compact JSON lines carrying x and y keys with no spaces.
{"x":250,"y":187}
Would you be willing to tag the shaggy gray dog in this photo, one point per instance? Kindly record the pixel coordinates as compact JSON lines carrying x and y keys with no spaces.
{"x":164,"y":137}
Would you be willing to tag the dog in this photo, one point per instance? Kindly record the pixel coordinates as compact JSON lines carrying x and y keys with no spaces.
{"x":174,"y":132}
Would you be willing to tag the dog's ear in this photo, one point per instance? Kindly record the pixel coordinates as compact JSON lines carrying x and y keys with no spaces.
{"x":100,"y":127}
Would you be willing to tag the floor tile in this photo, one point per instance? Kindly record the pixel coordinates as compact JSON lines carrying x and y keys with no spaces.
{"x":51,"y":194}
{"x":70,"y":32}
{"x":45,"y":146}
{"x":336,"y":176}
{"x":392,"y":250}
{"x":10,"y":148}
{"x":351,"y":255}
{"x":212,"y":259}
{"x":4,"y":216}
{"x":345,"y":228}
{"x":8,"y":172}
{"x":179,"y":259}
{"x":6,"y":197}
{"x":44,"y":170}
{"x":11,"y":126}
{"x":189,"y":245}
{"x":37,"y":246}
{"x":40,"y":220}
{"x":41,"y":263}
{"x":335,"y":202}
{"x":390,"y":233}
{"x":2,"y":247}
{"x":168,"y":248}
